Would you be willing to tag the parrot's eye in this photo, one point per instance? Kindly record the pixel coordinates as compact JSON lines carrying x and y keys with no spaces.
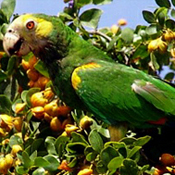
{"x":30,"y":25}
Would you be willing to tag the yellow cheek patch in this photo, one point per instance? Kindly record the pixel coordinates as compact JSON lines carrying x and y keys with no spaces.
{"x":44,"y":28}
{"x":76,"y":80}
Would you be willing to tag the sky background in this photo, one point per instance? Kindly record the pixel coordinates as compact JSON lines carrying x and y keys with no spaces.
{"x":131,"y":10}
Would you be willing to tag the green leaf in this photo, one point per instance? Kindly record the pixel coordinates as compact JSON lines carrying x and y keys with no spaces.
{"x":21,"y":170}
{"x":41,"y":162}
{"x":90,"y":18}
{"x":76,"y":137}
{"x":36,"y":144}
{"x":163,"y":3}
{"x":76,"y":147}
{"x":27,"y":162}
{"x":161,"y":14}
{"x":128,"y":140}
{"x":54,"y":163}
{"x":107,"y":154}
{"x":39,"y":171}
{"x":152,"y":29}
{"x":3,"y":75}
{"x":129,"y":167}
{"x":142,"y":141}
{"x":153,"y":63}
{"x":169,"y":76}
{"x":8,"y":7}
{"x":148,"y":16}
{"x":11,"y":65}
{"x":133,"y":151}
{"x":173,"y":2}
{"x":101,"y":168}
{"x":81,"y":3}
{"x":41,"y":68}
{"x":50,"y":145}
{"x":127,"y":35}
{"x":170,"y":24}
{"x":101,"y":2}
{"x":5,"y":104}
{"x":60,"y":145}
{"x":95,"y":141}
{"x":115,"y":163}
{"x":15,"y":140}
{"x":173,"y":13}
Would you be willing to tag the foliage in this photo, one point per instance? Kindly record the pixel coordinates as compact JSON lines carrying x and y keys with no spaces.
{"x":40,"y":135}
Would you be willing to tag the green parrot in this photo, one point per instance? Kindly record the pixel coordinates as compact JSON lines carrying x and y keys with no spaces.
{"x":86,"y":78}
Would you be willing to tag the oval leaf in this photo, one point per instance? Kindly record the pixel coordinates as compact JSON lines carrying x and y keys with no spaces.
{"x":127,"y":35}
{"x":95,"y":140}
{"x":163,"y":3}
{"x":148,"y":16}
{"x":90,"y":18}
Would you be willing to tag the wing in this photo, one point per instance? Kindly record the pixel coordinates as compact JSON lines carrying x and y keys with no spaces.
{"x":107,"y":89}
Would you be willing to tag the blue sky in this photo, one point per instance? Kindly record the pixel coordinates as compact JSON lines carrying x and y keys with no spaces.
{"x":131,"y":10}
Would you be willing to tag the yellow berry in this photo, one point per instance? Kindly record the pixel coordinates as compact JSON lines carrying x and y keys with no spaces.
{"x":8,"y":161}
{"x":114,"y":29}
{"x":51,"y":108}
{"x":85,"y":122}
{"x":16,"y":149}
{"x":19,"y":107}
{"x":17,"y":122}
{"x":86,"y":171}
{"x":70,"y":128}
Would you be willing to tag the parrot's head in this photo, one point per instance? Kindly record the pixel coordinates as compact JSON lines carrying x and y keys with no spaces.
{"x":31,"y":32}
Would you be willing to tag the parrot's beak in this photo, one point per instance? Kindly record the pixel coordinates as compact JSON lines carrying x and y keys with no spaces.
{"x":14,"y":44}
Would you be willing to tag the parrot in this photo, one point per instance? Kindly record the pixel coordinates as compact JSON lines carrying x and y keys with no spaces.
{"x":86,"y":78}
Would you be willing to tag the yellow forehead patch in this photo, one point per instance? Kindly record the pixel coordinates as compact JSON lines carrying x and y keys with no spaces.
{"x":43,"y":27}
{"x":76,"y":80}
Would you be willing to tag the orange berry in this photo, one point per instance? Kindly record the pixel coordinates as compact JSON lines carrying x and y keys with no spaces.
{"x":64,"y":166}
{"x":32,"y":74}
{"x":38,"y":112}
{"x":167,"y":159}
{"x":32,"y":61}
{"x":63,"y":110}
{"x":122,"y":22}
{"x":37,"y":99}
{"x":48,"y":117}
{"x":51,"y":108}
{"x":25,"y":64}
{"x":55,"y":124}
{"x":42,"y":81}
{"x":17,"y":122}
{"x":31,"y":83}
